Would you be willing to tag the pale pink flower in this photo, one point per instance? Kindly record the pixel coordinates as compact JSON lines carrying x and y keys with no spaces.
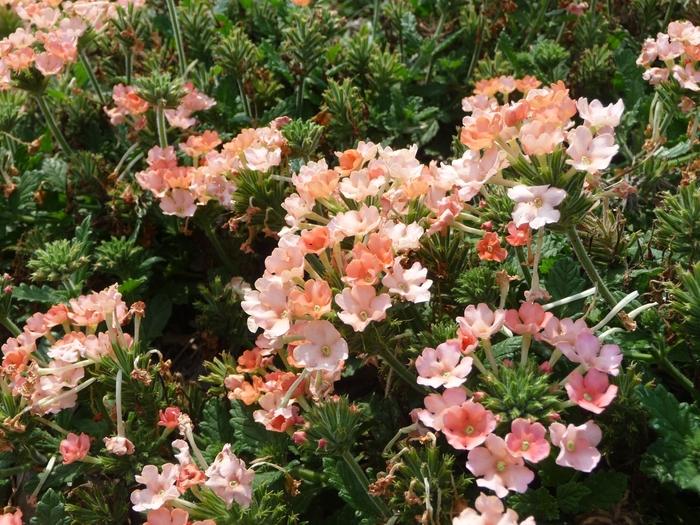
{"x":355,"y":222}
{"x":48,"y":64}
{"x":179,"y":202}
{"x":274,"y":417}
{"x":403,"y":237}
{"x":435,"y":405}
{"x":323,"y":348}
{"x":410,"y":284}
{"x":527,"y":440}
{"x":361,"y":305}
{"x":180,"y":117}
{"x":229,"y":478}
{"x":530,"y":318}
{"x":497,"y":469}
{"x":481,"y":321}
{"x":443,"y":366}
{"x":667,"y":49}
{"x":74,"y":447}
{"x":588,"y":153}
{"x":266,"y":307}
{"x":467,"y":425}
{"x":119,"y":445}
{"x":649,"y":53}
{"x":577,"y":445}
{"x":592,"y":392}
{"x":535,"y":205}
{"x":165,"y":516}
{"x":588,"y":351}
{"x":195,"y":100}
{"x":359,"y":185}
{"x":597,"y":116}
{"x":656,"y":75}
{"x":490,"y":511}
{"x":688,"y":77}
{"x":684,"y":31}
{"x":160,"y":487}
{"x":557,"y":331}
{"x":541,"y":137}
{"x":11,"y":518}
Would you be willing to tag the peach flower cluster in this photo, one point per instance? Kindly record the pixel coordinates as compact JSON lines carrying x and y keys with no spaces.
{"x":128,"y":103}
{"x":48,"y":37}
{"x":210,"y":173}
{"x":540,"y":122}
{"x":90,"y":325}
{"x":503,"y":464}
{"x":674,"y":54}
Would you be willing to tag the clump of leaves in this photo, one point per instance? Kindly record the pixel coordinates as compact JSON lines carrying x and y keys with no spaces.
{"x":678,"y":221}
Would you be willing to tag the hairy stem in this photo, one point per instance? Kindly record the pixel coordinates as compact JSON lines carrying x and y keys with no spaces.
{"x":161,"y":127}
{"x":53,"y":126}
{"x":11,"y":327}
{"x":91,"y":76}
{"x":177,"y":35}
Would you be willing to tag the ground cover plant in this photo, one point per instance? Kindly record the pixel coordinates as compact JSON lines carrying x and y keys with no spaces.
{"x":353,"y":261}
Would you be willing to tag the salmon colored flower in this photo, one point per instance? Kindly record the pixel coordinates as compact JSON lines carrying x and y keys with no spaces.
{"x":443,"y":366}
{"x":480,"y":131}
{"x":577,"y":445}
{"x":530,"y":318}
{"x":489,"y":248}
{"x":435,"y":405}
{"x":168,"y":418}
{"x":11,"y":518}
{"x":165,"y":516}
{"x":315,"y":240}
{"x":497,"y":469}
{"x":189,"y":476}
{"x":313,"y":302}
{"x":467,"y":425}
{"x":74,"y":447}
{"x":592,"y":392}
{"x":518,"y":235}
{"x":527,"y":440}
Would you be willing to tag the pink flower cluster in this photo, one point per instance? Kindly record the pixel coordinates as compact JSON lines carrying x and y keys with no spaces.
{"x":211,"y":173}
{"x":51,"y":385}
{"x":539,"y":123}
{"x":489,"y":510}
{"x":502,"y":463}
{"x":128,"y":103}
{"x":48,"y":38}
{"x":227,"y":477}
{"x":674,"y":54}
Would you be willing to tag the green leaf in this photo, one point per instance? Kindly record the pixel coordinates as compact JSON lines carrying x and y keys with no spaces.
{"x":675,"y":456}
{"x":50,"y":510}
{"x":539,"y":503}
{"x":215,"y":428}
{"x":569,"y":496}
{"x":252,"y":437}
{"x":37,"y":294}
{"x":605,"y":490}
{"x":159,"y":310}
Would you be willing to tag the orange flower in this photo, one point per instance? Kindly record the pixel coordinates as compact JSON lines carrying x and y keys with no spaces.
{"x":489,"y":248}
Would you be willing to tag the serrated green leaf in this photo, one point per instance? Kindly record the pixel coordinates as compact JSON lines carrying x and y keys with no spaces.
{"x":569,"y":496}
{"x":50,"y":510}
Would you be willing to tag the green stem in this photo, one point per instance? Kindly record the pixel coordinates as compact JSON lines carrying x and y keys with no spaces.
{"x":524,"y":348}
{"x":218,"y":247}
{"x":11,"y":327}
{"x":128,"y":66}
{"x":436,"y":36}
{"x":523,"y":264}
{"x":309,"y":475}
{"x":375,"y":19}
{"x":53,"y":126}
{"x":244,"y":98}
{"x":161,"y":127}
{"x":300,"y":97}
{"x":177,"y":34}
{"x":486,"y":343}
{"x":398,"y":367}
{"x":91,"y":75}
{"x":587,"y":263}
{"x":359,"y":475}
{"x":679,"y":376}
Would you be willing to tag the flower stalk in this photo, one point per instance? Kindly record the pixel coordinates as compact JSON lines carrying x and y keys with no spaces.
{"x":53,"y":126}
{"x":177,"y":35}
{"x":91,"y":76}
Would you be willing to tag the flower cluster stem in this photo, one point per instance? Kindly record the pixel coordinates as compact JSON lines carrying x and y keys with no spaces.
{"x":161,"y":127}
{"x":11,"y":327}
{"x":53,"y":126}
{"x":91,"y":76}
{"x":177,"y":35}
{"x":399,"y":369}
